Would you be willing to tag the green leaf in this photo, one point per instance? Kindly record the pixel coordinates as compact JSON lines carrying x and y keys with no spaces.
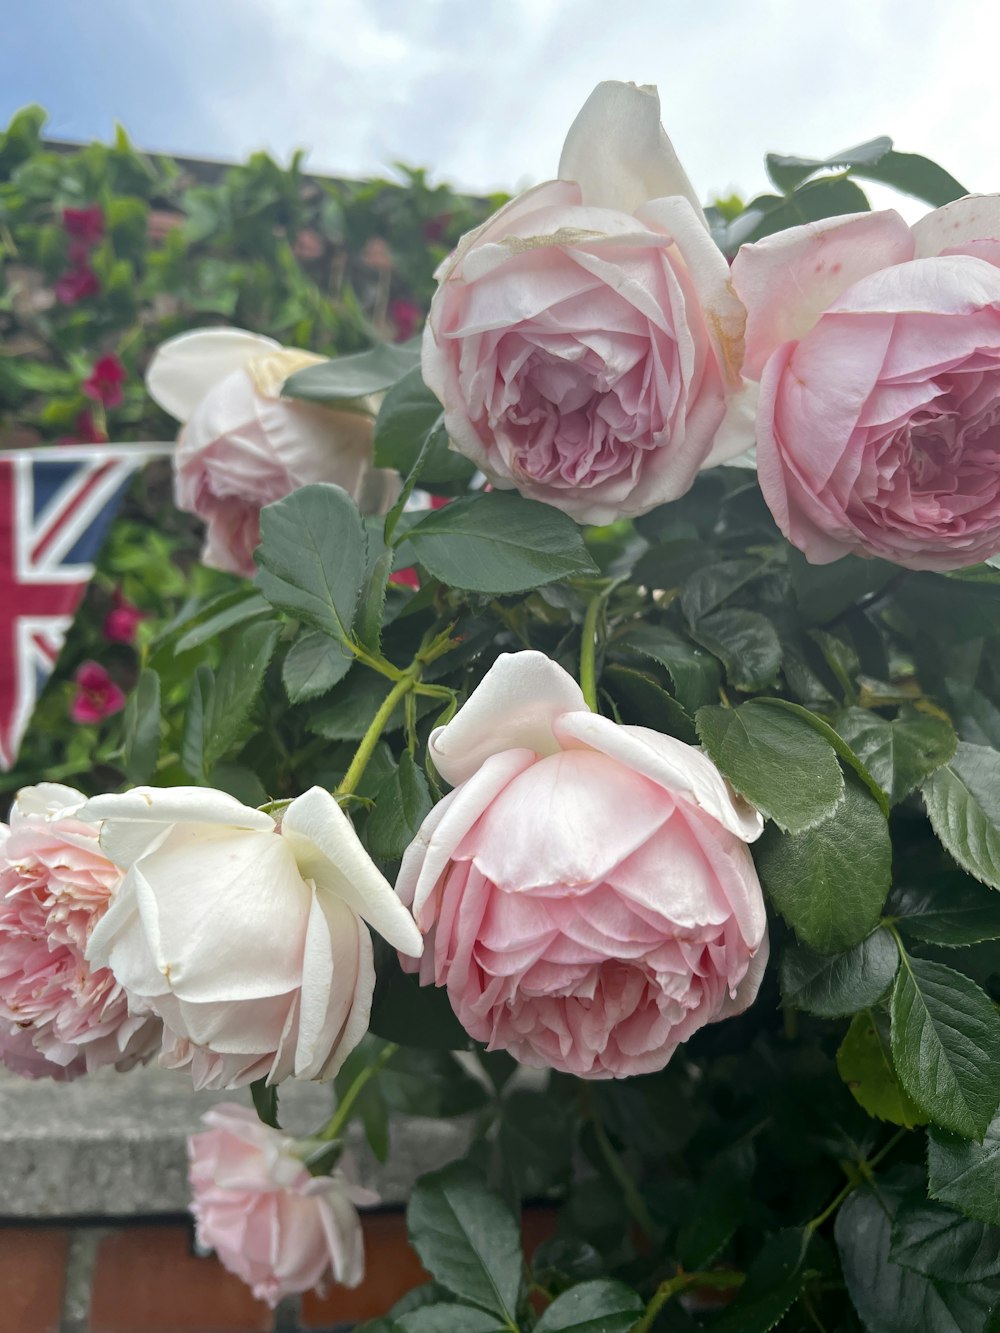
{"x":788,"y":172}
{"x":711,"y":585}
{"x":238,"y":682}
{"x":864,"y":1062}
{"x":718,"y":1207}
{"x":601,"y":1306}
{"x":898,"y":754}
{"x":142,"y":728}
{"x":839,"y":984}
{"x":347,"y":378}
{"x":401,"y":804}
{"x":413,"y":1015}
{"x":643,"y":702}
{"x":497,"y":543}
{"x":312,"y":666}
{"x":370,"y":1106}
{"x":197,"y":719}
{"x":430,"y":1083}
{"x":830,"y":197}
{"x":776,"y":760}
{"x":952,"y":910}
{"x":312,"y":557}
{"x":824,"y":592}
{"x":265,"y":1102}
{"x":449,"y":1319}
{"x":888,"y":1297}
{"x":946,"y":1045}
{"x":773,"y":1283}
{"x":941,"y":1243}
{"x":353,"y":707}
{"x":963,"y":802}
{"x":534,"y":1143}
{"x":830,"y":882}
{"x":910,"y":173}
{"x":842,"y":749}
{"x":239,"y":781}
{"x":410,"y":413}
{"x":966,"y":1175}
{"x":248,"y":608}
{"x":467,"y":1239}
{"x":746,"y":642}
{"x":695,"y":674}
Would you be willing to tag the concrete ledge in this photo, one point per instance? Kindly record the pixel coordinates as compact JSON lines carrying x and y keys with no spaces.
{"x":113,"y":1145}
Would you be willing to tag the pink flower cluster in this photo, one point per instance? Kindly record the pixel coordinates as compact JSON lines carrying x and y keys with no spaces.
{"x":58,"y":1016}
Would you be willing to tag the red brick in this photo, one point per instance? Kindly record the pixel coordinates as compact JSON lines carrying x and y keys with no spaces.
{"x":32,"y":1278}
{"x":147,"y":1281}
{"x":391,"y":1270}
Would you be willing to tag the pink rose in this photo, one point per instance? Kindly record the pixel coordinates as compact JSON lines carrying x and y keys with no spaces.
{"x":877,"y":346}
{"x":244,"y":933}
{"x":123,"y":620}
{"x":243,"y":446}
{"x":274,"y":1225}
{"x":58,"y":1016}
{"x":97,"y":696}
{"x":586,"y":891}
{"x":585,"y":340}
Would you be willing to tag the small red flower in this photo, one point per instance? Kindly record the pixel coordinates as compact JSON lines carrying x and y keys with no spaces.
{"x":85,"y":431}
{"x":77,"y":284}
{"x":405,"y":578}
{"x":84,"y":224}
{"x":407,"y":318}
{"x":122,"y":621}
{"x":104,"y":383}
{"x":97,"y":695}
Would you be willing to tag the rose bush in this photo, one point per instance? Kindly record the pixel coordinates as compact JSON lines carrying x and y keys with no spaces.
{"x":270,"y":1222}
{"x":585,"y":892}
{"x":242,"y":446}
{"x":877,"y":346}
{"x":246,"y":935}
{"x":586,"y":339}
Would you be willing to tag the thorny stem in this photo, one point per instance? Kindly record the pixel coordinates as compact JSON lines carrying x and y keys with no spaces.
{"x":719,"y":1281}
{"x":588,"y":644}
{"x":864,"y":1170}
{"x":335,"y":1125}
{"x":371,"y":737}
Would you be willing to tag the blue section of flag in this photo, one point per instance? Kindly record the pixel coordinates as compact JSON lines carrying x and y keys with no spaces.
{"x":91,"y":539}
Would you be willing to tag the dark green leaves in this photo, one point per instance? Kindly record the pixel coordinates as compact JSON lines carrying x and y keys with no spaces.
{"x":442,"y":1318}
{"x":774,"y":1280}
{"x":746,"y":643}
{"x":832,"y":986}
{"x":864,"y":1062}
{"x":776,"y":760}
{"x":602,"y":1306}
{"x":409,"y":415}
{"x":963,"y":801}
{"x":941,"y":1243}
{"x":312,"y":666}
{"x":952,"y":910}
{"x":497,"y":543}
{"x":312,"y":557}
{"x":351,"y":377}
{"x":967,"y":1175}
{"x":467,"y":1240}
{"x":946,"y":1045}
{"x":788,"y":172}
{"x":401,"y":804}
{"x":876,"y":160}
{"x":142,"y":728}
{"x":889,"y":1297}
{"x":693,"y":672}
{"x":899,"y":754}
{"x":219,"y":705}
{"x":830,"y":882}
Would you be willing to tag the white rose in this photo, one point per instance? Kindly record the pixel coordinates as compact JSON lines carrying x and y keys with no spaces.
{"x":246,"y":935}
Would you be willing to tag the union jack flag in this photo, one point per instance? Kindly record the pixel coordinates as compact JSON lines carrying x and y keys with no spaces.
{"x":56,"y":505}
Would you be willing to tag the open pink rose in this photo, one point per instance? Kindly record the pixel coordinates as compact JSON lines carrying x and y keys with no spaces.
{"x":274,"y":1225}
{"x":585,"y":340}
{"x":59,"y":1017}
{"x":586,"y":891}
{"x":243,"y":446}
{"x":97,"y":696}
{"x":877,"y":346}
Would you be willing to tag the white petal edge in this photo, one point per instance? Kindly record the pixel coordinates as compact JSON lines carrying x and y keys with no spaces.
{"x":618,"y":152}
{"x":183,"y":369}
{"x":132,"y":821}
{"x":512,"y":708}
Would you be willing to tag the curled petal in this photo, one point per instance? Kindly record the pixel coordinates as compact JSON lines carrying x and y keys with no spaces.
{"x":184,"y":368}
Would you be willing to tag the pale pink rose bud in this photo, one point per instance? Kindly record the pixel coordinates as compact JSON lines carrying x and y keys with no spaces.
{"x":246,"y":935}
{"x":585,"y":340}
{"x":274,"y":1225}
{"x":59,"y":1017}
{"x":877,"y":347}
{"x":586,"y":892}
{"x":243,"y":446}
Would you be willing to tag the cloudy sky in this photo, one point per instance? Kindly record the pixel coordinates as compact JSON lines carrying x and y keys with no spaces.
{"x":482,"y":91}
